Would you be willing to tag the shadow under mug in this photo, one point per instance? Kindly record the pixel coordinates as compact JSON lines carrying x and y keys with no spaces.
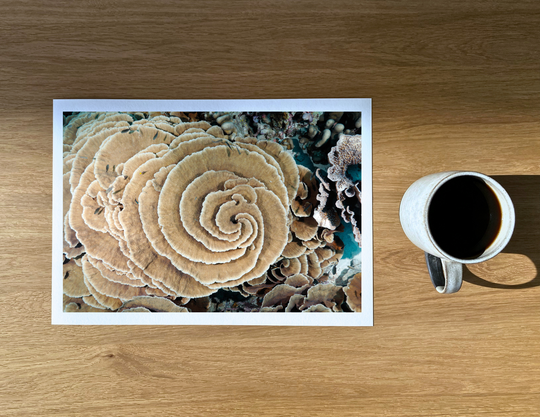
{"x":456,"y":217}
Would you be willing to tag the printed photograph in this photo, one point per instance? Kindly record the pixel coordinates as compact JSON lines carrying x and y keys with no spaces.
{"x":212,"y":212}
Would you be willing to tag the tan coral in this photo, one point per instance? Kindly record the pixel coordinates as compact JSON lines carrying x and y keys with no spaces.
{"x":306,"y":198}
{"x":197,"y":259}
{"x":120,"y":147}
{"x":280,"y":295}
{"x":305,"y":228}
{"x":136,"y":310}
{"x":288,"y":169}
{"x":99,"y":245}
{"x":76,"y":121}
{"x":273,"y":309}
{"x":317,"y":308}
{"x":73,"y":283}
{"x":290,"y":267}
{"x":155,"y":304}
{"x":295,"y":302}
{"x":329,"y":295}
{"x":79,"y":305}
{"x":93,"y":303}
{"x":124,"y":179}
{"x":110,"y":303}
{"x":294,"y":249}
{"x":299,"y":280}
{"x":353,"y":292}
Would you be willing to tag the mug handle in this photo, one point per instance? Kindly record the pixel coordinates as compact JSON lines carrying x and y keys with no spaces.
{"x":446,"y":276}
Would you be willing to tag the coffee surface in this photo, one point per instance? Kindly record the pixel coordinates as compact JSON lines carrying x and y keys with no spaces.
{"x":464,"y":217}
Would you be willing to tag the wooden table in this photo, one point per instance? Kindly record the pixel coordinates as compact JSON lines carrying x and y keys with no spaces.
{"x":455,"y":86}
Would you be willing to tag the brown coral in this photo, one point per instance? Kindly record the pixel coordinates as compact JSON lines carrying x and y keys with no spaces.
{"x":304,"y":298}
{"x":353,"y":291}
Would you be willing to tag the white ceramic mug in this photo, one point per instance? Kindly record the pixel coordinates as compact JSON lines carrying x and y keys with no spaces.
{"x":446,"y":269}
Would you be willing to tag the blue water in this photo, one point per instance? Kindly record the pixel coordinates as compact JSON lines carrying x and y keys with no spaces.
{"x":302,"y":158}
{"x":355,"y":172}
{"x":351,"y":249}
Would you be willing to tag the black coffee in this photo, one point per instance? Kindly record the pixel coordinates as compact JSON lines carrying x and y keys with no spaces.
{"x":464,"y":217}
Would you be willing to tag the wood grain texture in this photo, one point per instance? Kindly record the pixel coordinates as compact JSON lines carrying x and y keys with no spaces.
{"x":455,"y":86}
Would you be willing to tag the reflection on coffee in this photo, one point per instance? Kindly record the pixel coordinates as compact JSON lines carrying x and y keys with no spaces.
{"x":464,"y":217}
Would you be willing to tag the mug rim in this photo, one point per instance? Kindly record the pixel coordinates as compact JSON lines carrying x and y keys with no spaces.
{"x":497,"y":245}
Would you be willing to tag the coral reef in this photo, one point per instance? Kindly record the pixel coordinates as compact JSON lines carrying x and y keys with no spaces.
{"x":195,"y":211}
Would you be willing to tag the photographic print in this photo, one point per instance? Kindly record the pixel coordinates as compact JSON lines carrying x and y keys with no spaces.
{"x":228,"y":212}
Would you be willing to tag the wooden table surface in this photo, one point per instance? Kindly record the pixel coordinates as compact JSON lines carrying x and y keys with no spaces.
{"x":455,"y":86}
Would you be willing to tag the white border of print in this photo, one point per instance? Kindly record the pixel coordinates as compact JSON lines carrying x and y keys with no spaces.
{"x":365,"y":318}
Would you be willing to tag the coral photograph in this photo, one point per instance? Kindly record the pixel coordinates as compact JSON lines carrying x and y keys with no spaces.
{"x":190,"y":211}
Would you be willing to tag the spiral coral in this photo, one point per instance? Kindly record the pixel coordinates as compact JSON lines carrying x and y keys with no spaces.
{"x":160,"y":208}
